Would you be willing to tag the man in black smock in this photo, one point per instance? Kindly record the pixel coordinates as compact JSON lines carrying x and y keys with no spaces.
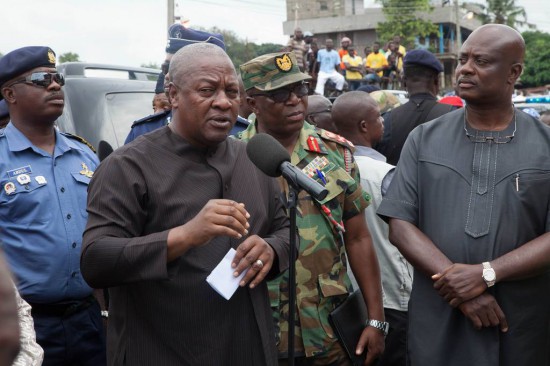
{"x":421,"y":71}
{"x":163,"y":212}
{"x":469,"y":208}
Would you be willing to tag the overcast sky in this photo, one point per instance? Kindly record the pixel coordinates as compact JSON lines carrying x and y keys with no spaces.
{"x":133,"y":32}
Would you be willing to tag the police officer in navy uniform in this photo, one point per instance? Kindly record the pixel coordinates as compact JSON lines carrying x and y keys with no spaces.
{"x":4,"y":114}
{"x":44,"y":176}
{"x":178,"y":37}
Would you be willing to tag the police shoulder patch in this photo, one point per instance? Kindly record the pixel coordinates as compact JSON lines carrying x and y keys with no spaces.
{"x":79,"y":139}
{"x":151,"y":118}
{"x":334,"y":137}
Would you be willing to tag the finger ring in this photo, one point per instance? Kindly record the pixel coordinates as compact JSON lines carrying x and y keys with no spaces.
{"x":259,"y":264}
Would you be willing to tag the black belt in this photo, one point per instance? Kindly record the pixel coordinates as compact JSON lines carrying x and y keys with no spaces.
{"x":64,"y":308}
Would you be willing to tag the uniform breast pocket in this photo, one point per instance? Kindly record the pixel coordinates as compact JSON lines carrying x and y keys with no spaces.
{"x":81,"y":190}
{"x":27,"y":204}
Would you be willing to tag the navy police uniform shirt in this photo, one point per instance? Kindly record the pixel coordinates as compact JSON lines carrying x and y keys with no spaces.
{"x":240,"y":125}
{"x":158,"y":120}
{"x":148,"y":124}
{"x":43,"y":214}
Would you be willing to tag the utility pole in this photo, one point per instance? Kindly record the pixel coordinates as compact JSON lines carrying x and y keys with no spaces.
{"x":169,"y":13}
{"x":458,"y":32}
{"x":296,"y":7}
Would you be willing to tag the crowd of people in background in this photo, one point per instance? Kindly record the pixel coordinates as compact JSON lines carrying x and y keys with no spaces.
{"x":435,"y":214}
{"x":382,"y":65}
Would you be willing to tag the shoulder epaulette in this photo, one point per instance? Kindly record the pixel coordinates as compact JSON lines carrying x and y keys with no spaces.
{"x":79,"y":139}
{"x":327,"y":135}
{"x":151,"y":118}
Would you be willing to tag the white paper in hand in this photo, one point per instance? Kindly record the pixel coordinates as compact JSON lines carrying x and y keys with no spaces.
{"x":221,"y":278}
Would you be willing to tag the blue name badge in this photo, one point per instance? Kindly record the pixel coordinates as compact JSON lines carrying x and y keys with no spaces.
{"x":15,"y":172}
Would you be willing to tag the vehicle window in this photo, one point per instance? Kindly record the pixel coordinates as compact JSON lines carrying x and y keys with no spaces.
{"x":119,"y":74}
{"x":124,"y":108}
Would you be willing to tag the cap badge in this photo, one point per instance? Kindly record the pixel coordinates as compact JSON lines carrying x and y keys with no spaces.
{"x":51,"y":57}
{"x":283,"y":63}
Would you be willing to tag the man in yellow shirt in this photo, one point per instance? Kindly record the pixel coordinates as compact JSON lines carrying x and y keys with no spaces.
{"x":376,"y":62}
{"x":354,"y":68}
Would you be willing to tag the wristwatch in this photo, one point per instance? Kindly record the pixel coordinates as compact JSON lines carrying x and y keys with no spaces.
{"x":384,"y":327}
{"x":489,"y":275}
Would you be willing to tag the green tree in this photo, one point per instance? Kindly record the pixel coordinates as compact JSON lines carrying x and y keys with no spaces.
{"x":240,"y":50}
{"x":537,"y":59}
{"x":501,"y":12}
{"x":404,"y":18}
{"x":69,"y":57}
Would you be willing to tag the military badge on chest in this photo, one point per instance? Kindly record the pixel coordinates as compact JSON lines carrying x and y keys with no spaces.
{"x":10,"y":188}
{"x":85,"y":171}
{"x":22,"y":178}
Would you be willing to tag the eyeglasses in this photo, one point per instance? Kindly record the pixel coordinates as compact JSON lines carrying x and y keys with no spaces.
{"x":283,"y":94}
{"x":492,"y":139}
{"x":43,"y":79}
{"x":326,"y":110}
{"x":164,"y":67}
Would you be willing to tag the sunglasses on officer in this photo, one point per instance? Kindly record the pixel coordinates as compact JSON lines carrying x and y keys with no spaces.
{"x":283,"y":94}
{"x":43,"y":79}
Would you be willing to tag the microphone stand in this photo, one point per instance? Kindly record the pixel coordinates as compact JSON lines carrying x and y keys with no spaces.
{"x":292,"y":205}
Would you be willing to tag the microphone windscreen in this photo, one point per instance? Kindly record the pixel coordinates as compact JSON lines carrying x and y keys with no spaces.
{"x":267,"y":154}
{"x":104,"y":149}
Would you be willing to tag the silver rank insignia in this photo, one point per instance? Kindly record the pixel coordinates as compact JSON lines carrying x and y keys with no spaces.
{"x":40,"y":180}
{"x":86,"y":172}
{"x":9,"y":188}
{"x":23,"y":179}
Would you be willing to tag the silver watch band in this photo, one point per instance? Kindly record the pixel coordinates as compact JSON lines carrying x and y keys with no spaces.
{"x":384,"y":327}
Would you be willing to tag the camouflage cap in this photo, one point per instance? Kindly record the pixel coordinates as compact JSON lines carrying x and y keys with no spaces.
{"x":271,"y":71}
{"x":386,"y":100}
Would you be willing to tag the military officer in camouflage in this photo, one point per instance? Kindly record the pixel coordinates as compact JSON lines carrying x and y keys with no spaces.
{"x":329,"y":230}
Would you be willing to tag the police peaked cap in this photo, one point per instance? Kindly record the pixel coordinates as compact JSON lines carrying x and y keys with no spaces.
{"x":186,"y":36}
{"x":422,"y":58}
{"x":24,"y":59}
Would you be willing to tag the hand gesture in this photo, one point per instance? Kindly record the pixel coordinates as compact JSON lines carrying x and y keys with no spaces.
{"x":459,"y":283}
{"x":257,"y":255}
{"x":219,"y":217}
{"x":484,"y":311}
{"x":372,"y":340}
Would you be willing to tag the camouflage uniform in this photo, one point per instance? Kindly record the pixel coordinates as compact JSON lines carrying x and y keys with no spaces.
{"x":321,"y":278}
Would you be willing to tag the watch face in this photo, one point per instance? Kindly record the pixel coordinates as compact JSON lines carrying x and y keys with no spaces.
{"x":489,"y":275}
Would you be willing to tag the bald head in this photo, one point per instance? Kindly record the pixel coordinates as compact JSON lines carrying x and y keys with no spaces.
{"x":490,"y":62}
{"x":502,"y":37}
{"x":319,"y":112}
{"x":193,"y":57}
{"x":356,"y":115}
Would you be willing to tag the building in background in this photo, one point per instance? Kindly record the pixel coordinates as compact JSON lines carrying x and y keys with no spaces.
{"x":336,"y":19}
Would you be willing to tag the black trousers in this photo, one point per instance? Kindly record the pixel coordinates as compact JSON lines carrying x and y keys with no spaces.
{"x":74,"y":340}
{"x":396,"y":341}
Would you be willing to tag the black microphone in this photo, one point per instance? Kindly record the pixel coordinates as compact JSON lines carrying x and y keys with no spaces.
{"x":104,"y":149}
{"x":273,"y":159}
